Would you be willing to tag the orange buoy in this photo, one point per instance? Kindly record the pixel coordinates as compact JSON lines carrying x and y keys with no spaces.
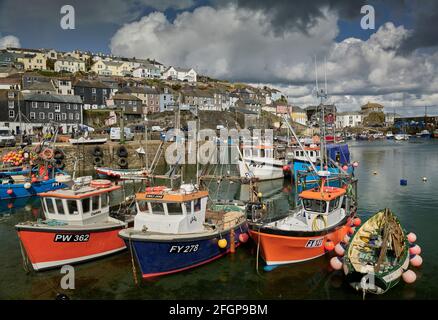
{"x":329,"y":245}
{"x":100,"y":183}
{"x":357,"y":222}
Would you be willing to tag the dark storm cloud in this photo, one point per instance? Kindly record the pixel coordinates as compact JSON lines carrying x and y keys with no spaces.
{"x":302,"y":15}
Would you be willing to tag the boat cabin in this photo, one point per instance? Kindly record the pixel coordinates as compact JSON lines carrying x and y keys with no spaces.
{"x":313,"y":152}
{"x":160,"y":209}
{"x":323,"y":208}
{"x":260,"y":151}
{"x":82,"y":204}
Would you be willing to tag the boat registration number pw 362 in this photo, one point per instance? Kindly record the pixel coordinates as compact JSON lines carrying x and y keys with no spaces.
{"x":60,"y":237}
{"x":184,"y":249}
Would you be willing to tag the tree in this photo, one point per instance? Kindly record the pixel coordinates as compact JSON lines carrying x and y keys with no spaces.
{"x":374,"y":119}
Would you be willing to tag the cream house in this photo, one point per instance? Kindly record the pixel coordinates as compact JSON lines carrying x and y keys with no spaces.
{"x":110,"y":68}
{"x":36,"y":60}
{"x":70,"y":64}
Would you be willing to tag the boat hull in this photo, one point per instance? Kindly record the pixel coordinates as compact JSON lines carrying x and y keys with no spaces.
{"x":286,"y":247}
{"x":262,"y":171}
{"x":157,"y":258}
{"x":49,"y":248}
{"x":19,"y":191}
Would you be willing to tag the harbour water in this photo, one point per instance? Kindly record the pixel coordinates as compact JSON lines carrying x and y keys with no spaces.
{"x":382,"y":165}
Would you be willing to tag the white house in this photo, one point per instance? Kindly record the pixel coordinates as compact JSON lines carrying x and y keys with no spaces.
{"x":349,"y":119}
{"x":69,"y":64}
{"x":147,"y":71}
{"x":182,"y":74}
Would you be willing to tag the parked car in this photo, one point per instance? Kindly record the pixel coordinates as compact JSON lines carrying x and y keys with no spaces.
{"x":7,"y":139}
{"x":115,"y":134}
{"x":157,"y":129}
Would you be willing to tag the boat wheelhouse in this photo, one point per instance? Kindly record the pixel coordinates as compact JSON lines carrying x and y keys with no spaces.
{"x":324,"y":215}
{"x":77,"y":226}
{"x":261,"y":161}
{"x":173,"y":230}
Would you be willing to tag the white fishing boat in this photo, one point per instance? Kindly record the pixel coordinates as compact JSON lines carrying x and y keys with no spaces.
{"x":259,"y":161}
{"x":87,"y":141}
{"x":401,"y":137}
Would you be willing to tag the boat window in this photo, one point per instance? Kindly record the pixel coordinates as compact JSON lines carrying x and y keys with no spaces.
{"x":174,"y":208}
{"x":302,"y":153}
{"x":156,"y":208}
{"x":333,"y":204}
{"x":188,"y":205}
{"x":197,"y":206}
{"x":104,"y":200}
{"x":86,"y":205}
{"x":72,"y":206}
{"x":311,"y":153}
{"x":143,"y":206}
{"x":59,"y":206}
{"x":95,"y":202}
{"x":49,"y":205}
{"x":315,"y":205}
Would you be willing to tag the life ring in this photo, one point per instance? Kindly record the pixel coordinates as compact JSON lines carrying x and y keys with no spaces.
{"x":122,"y":162}
{"x":47,"y":154}
{"x":100,"y":183}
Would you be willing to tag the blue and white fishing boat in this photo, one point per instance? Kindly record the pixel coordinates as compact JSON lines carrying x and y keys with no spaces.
{"x":173,"y":230}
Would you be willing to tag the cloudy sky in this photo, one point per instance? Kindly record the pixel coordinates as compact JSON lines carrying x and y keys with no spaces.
{"x":259,"y":42}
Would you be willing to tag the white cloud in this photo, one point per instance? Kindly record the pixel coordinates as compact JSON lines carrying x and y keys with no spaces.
{"x":239,"y":44}
{"x":9,"y":41}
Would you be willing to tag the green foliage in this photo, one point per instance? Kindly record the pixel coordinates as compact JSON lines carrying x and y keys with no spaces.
{"x":375,"y":119}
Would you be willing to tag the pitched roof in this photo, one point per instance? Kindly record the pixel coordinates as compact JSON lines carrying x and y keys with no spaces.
{"x":141,"y":90}
{"x":90,"y":84}
{"x":52,"y":98}
{"x":125,"y":96}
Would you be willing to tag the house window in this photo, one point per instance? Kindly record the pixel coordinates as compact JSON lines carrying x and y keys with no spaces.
{"x":34,"y":104}
{"x":64,"y":116}
{"x":11,"y":95}
{"x":50,"y":115}
{"x":93,"y":90}
{"x":11,"y":113}
{"x":57,"y":107}
{"x":75,"y":107}
{"x":134,"y":109}
{"x":70,"y":116}
{"x":68,"y":106}
{"x":104,"y":91}
{"x":78,"y":116}
{"x":32,"y":115}
{"x":11,"y":104}
{"x":46,"y":105}
{"x":42,"y":115}
{"x":57,"y":117}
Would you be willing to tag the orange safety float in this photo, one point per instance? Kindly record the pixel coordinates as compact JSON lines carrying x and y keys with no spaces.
{"x":100,"y":183}
{"x":155,"y":189}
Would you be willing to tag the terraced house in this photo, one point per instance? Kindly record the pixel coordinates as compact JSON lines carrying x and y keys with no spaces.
{"x":69,"y":64}
{"x":93,"y":93}
{"x":110,"y":68}
{"x":149,"y":97}
{"x":131,"y":105}
{"x":39,"y":109}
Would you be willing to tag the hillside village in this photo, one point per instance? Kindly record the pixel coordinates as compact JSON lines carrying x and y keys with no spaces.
{"x":38,"y":86}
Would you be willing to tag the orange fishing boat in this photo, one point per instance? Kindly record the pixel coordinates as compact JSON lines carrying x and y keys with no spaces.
{"x":322,"y":219}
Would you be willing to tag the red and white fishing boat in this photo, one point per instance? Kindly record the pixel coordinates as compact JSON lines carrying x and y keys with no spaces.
{"x":122,"y":174}
{"x":77,"y":226}
{"x":320,"y":222}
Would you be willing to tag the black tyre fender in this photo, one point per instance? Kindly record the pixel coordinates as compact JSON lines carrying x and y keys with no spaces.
{"x":59,"y":154}
{"x":122,"y":152}
{"x":98,"y":161}
{"x":98,"y":152}
{"x":122,"y":162}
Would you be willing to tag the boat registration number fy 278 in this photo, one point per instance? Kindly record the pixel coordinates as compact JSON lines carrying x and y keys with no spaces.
{"x":65,"y":237}
{"x":184,"y":249}
{"x":314,"y":243}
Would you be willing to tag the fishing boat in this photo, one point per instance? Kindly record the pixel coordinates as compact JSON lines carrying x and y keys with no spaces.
{"x":260,"y":161}
{"x":122,"y":174}
{"x":173,"y":230}
{"x":77,"y":226}
{"x":423,"y":134}
{"x":401,"y":137}
{"x":321,"y":220}
{"x":389,"y":135}
{"x":87,"y":141}
{"x":377,"y":254}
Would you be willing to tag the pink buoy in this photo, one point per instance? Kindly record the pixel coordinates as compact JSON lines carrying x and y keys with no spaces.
{"x":339,"y":249}
{"x":243,"y":237}
{"x":415,"y":249}
{"x":409,"y":276}
{"x":416,"y":261}
{"x":355,"y":164}
{"x":336,"y":263}
{"x":345,"y":168}
{"x":412,"y":237}
{"x":329,"y":245}
{"x":357,"y":222}
{"x":10,"y":191}
{"x":346,"y":239}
